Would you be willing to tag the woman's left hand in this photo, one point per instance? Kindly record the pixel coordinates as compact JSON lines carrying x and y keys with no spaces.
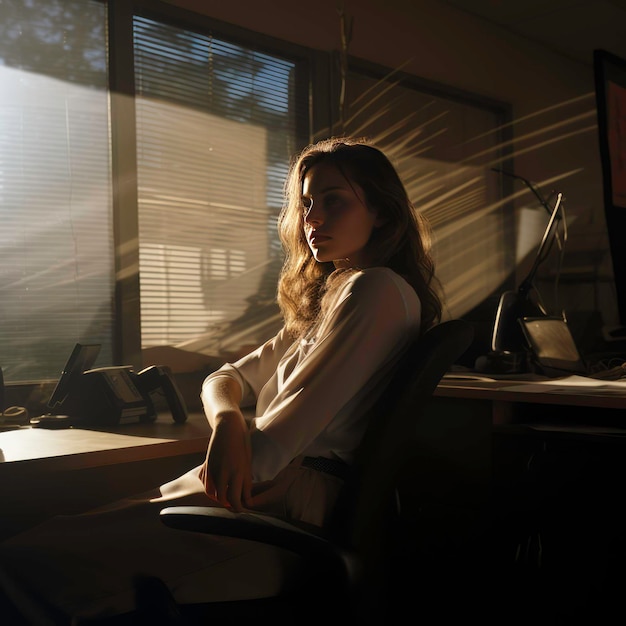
{"x":226,"y":472}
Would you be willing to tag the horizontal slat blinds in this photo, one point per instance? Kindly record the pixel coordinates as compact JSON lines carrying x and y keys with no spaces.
{"x":56,"y":246}
{"x":216,"y":127}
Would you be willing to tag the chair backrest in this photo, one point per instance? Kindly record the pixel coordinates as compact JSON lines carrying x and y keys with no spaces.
{"x":370,"y":489}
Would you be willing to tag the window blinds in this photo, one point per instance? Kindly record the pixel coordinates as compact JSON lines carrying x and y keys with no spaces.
{"x":56,"y":242}
{"x":216,"y":127}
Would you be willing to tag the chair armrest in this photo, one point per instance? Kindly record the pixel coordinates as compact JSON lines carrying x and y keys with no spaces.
{"x":322,"y":560}
{"x":251,"y":526}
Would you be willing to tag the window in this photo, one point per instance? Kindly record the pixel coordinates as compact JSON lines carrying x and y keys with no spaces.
{"x":206,"y":143}
{"x":139,"y":190}
{"x":216,"y":126}
{"x":56,"y":242}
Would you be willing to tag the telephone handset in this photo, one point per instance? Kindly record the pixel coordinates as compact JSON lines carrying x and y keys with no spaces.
{"x":107,"y":396}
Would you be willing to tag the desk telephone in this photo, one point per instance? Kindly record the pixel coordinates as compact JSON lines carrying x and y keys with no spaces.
{"x":108,"y":396}
{"x":117,"y":395}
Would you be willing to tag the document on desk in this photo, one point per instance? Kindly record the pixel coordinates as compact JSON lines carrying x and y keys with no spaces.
{"x":583,"y":384}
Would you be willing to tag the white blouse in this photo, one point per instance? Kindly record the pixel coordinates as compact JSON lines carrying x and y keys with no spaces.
{"x":311,"y":395}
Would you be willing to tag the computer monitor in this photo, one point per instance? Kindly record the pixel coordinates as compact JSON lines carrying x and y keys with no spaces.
{"x":514,"y":305}
{"x":610,"y":87}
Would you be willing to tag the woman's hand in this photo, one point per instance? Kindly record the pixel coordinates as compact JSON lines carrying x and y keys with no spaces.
{"x":226,"y":472}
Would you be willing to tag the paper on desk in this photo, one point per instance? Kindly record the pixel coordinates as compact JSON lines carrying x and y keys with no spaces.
{"x":462,"y":376}
{"x":568,"y":383}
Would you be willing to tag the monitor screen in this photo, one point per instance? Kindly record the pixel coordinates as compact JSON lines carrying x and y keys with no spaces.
{"x":83,"y":356}
{"x":610,"y":87}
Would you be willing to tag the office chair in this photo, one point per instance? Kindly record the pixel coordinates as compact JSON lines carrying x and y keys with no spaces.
{"x":358,"y":570}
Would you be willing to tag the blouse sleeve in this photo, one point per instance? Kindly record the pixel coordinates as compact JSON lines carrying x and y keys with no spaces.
{"x":372,"y":319}
{"x":254,"y":370}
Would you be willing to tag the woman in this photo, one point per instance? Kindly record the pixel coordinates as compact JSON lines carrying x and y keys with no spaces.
{"x":357,"y":285}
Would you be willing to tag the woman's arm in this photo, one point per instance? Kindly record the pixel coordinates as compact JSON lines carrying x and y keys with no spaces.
{"x":226,"y":472}
{"x":221,"y":395}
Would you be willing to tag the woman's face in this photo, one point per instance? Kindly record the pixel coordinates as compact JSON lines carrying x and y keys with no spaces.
{"x":337,"y":222}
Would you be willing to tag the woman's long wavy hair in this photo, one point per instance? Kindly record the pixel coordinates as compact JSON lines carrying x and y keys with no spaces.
{"x":402,"y":243}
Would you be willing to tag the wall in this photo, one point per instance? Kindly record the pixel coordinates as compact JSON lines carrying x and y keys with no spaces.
{"x":552,"y":99}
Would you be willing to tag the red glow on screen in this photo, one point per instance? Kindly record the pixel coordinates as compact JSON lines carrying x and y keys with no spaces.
{"x":616,"y":129}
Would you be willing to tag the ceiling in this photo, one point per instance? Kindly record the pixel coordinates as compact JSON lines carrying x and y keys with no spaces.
{"x":573,"y":28}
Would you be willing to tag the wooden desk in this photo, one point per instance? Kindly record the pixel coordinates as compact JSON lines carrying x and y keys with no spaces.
{"x":55,"y":472}
{"x":50,"y":472}
{"x":49,"y":450}
{"x":542,"y":402}
{"x":557,"y":515}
